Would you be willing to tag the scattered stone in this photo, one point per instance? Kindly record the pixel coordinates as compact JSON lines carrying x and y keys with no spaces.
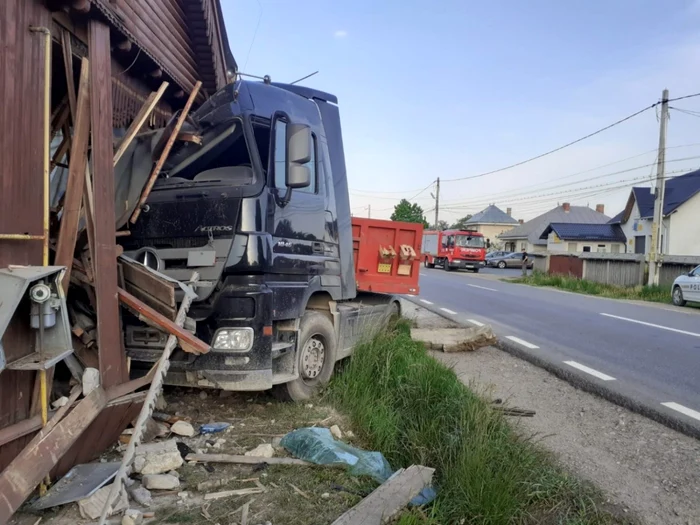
{"x":160,"y":482}
{"x":174,"y":473}
{"x":183,"y":428}
{"x":60,"y":402}
{"x":183,"y":495}
{"x":142,"y":496}
{"x":309,"y":405}
{"x":202,"y":395}
{"x":129,"y":482}
{"x":325,"y":495}
{"x":91,"y":508}
{"x":262,"y":451}
{"x":157,"y":458}
{"x":335,"y":430}
{"x":132,"y":517}
{"x":154,"y":429}
{"x":91,"y":380}
{"x":349,"y":434}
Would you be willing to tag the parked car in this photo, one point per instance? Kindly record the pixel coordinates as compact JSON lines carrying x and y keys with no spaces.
{"x":686,"y":287}
{"x":509,"y":260}
{"x":491,"y":255}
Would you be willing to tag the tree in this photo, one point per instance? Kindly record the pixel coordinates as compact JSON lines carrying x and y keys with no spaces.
{"x":461,"y":224}
{"x":443,"y":225}
{"x":408,"y":212}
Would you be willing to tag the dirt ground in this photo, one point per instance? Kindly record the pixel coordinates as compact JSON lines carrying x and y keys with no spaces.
{"x":649,"y":469}
{"x":295,"y":495}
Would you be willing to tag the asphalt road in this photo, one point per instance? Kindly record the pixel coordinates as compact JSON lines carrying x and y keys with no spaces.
{"x":646,"y":353}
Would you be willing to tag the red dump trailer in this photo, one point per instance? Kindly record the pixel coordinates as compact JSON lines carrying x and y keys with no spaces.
{"x":387,"y":255}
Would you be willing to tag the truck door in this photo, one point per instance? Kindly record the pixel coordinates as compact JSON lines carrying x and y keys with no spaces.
{"x":299,"y":228}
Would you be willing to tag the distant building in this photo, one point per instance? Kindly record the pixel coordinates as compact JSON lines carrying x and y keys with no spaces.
{"x":582,"y":237}
{"x":528,"y":235}
{"x":680,"y":232}
{"x":492,"y":222}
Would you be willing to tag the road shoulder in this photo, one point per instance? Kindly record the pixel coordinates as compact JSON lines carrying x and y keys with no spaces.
{"x":645,"y":467}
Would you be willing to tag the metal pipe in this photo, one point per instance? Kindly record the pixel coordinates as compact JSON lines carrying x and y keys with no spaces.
{"x":47,"y":130}
{"x":20,"y":237}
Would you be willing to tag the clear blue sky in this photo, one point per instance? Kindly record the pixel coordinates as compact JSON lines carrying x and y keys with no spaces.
{"x":454,"y":88}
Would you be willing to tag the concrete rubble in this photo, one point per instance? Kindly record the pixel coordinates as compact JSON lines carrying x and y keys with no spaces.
{"x":132,"y":517}
{"x":157,"y":458}
{"x":262,"y":451}
{"x":183,"y":428}
{"x":336,"y":432}
{"x":161,"y":482}
{"x":91,"y":508}
{"x":455,"y":339}
{"x":91,"y":380}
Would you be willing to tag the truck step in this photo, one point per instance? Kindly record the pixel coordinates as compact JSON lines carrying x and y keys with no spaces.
{"x":281,"y":348}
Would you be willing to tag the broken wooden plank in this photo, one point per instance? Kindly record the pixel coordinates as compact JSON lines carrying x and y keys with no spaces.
{"x":245,"y":460}
{"x":389,"y":498}
{"x":112,"y":359}
{"x":194,"y":138}
{"x":166,"y":151}
{"x":68,"y":66}
{"x":230,"y":493}
{"x":70,"y":219}
{"x":162,"y":308}
{"x":139,"y":120}
{"x":36,"y":460}
{"x":188,"y":342}
{"x":161,"y":289}
{"x":16,"y":431}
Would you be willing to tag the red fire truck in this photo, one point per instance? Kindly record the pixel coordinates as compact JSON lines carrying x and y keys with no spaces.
{"x":454,"y":249}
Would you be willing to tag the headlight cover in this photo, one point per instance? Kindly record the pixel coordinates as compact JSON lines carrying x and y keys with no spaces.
{"x":233,"y":339}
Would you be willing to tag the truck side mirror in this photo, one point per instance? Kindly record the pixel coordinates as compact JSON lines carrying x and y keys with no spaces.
{"x":299,"y":144}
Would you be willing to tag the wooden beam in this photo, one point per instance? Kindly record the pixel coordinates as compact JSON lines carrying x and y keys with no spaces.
{"x":166,"y":151}
{"x":245,"y":460}
{"x":161,"y":289}
{"x":16,"y":431}
{"x":70,"y":79}
{"x":188,"y":342}
{"x":140,"y":120}
{"x":62,"y":148}
{"x":36,"y":460}
{"x":70,"y":219}
{"x":112,"y":360}
{"x":124,"y":45}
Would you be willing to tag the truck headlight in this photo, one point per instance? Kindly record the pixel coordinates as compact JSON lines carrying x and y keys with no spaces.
{"x":233,"y":339}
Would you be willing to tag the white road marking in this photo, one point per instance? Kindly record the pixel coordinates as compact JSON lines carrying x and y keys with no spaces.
{"x":521,"y":342}
{"x":683,"y":410}
{"x":590,"y":371}
{"x":424,"y":301}
{"x":423,"y":275}
{"x":448,"y":311}
{"x":474,"y":321}
{"x":652,"y":325}
{"x":482,"y":287}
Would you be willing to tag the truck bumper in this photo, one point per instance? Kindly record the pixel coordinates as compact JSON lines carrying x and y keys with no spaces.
{"x":236,"y":305}
{"x":466,"y":265}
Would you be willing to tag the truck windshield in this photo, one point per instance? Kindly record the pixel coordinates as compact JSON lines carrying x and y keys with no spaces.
{"x":223,"y":158}
{"x":467,"y":241}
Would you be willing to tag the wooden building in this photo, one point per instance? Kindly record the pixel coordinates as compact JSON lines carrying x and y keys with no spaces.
{"x":132,"y":47}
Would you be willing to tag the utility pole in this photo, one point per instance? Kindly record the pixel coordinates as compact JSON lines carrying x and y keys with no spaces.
{"x":437,"y":203}
{"x":659,"y":191}
{"x":369,"y":211}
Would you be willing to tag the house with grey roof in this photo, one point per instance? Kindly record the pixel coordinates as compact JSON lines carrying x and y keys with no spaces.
{"x":680,"y":234}
{"x":491,"y":222}
{"x":528,"y":236}
{"x":575,"y":237}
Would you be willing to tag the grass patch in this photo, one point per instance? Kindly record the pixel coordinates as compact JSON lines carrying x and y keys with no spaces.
{"x":656,"y":294}
{"x":416,"y":411}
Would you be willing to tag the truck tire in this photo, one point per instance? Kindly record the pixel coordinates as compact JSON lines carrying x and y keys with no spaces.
{"x":475,"y":270}
{"x":446,"y":265}
{"x":316,"y":356}
{"x":428,"y":264}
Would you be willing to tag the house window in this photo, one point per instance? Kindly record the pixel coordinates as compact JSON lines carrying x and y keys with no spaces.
{"x":281,"y":159}
{"x":523,"y":245}
{"x":601,"y":248}
{"x":615,"y":248}
{"x":586,"y":248}
{"x":572,"y":247}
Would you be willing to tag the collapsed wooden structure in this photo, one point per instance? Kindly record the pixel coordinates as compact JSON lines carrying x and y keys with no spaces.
{"x":76,"y":74}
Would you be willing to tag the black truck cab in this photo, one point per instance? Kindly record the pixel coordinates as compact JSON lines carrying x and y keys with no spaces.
{"x":260,"y":210}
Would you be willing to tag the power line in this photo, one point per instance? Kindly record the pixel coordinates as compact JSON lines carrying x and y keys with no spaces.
{"x":681,"y":98}
{"x":559,"y":148}
{"x":392,"y":192}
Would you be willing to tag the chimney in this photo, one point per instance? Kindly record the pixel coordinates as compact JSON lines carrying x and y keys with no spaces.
{"x":600,"y":208}
{"x":566,"y":206}
{"x":521,"y":221}
{"x":509,"y":211}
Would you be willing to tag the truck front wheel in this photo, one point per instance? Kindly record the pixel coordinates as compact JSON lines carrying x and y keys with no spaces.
{"x":316,"y":356}
{"x":428,"y":264}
